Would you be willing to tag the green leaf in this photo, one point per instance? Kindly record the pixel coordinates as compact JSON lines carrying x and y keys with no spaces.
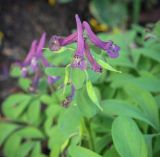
{"x":5,"y":130}
{"x":24,"y":83}
{"x":86,"y":106}
{"x":146,"y":102}
{"x":111,"y":152}
{"x":15,"y":71}
{"x":77,"y":151}
{"x":33,"y":112}
{"x":12,"y":145}
{"x":123,"y":108}
{"x":55,"y":71}
{"x":107,"y":66}
{"x":55,"y":142}
{"x":25,"y":148}
{"x":149,"y":52}
{"x":36,"y":152}
{"x":150,"y":83}
{"x":92,"y":94}
{"x":78,"y":77}
{"x":127,"y":138}
{"x":15,"y":104}
{"x":30,"y":132}
{"x":68,"y":123}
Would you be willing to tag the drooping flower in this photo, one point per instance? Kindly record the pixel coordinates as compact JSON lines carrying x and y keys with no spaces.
{"x":111,"y":49}
{"x":78,"y":60}
{"x":56,"y":42}
{"x":95,"y":66}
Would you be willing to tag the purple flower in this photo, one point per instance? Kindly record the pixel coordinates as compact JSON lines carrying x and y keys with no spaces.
{"x":95,"y":66}
{"x":28,"y":59}
{"x":109,"y":47}
{"x":56,"y":42}
{"x":34,"y":56}
{"x":78,"y":60}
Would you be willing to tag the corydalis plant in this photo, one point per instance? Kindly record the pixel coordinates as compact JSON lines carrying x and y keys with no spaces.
{"x":56,"y":42}
{"x":34,"y":60}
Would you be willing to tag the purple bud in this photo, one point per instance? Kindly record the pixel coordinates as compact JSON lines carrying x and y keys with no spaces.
{"x":109,"y":47}
{"x":53,"y":79}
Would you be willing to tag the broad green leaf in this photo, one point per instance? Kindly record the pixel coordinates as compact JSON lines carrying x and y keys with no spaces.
{"x":107,"y":66}
{"x":68,"y":123}
{"x":111,"y":152}
{"x":150,"y":52}
{"x":150,"y":83}
{"x":146,"y":102}
{"x":57,"y":59}
{"x":30,"y":132}
{"x":15,"y":104}
{"x":92,"y":94}
{"x":33,"y":112}
{"x":24,"y":83}
{"x":5,"y":130}
{"x":123,"y":108}
{"x":36,"y":152}
{"x":24,"y":149}
{"x":86,"y":106}
{"x":77,"y":77}
{"x":127,"y":138}
{"x":55,"y":71}
{"x":78,"y":151}
{"x":12,"y":145}
{"x":148,"y":139}
{"x":15,"y":71}
{"x":55,"y":142}
{"x":106,"y":9}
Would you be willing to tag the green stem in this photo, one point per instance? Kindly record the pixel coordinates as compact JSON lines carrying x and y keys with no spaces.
{"x":90,"y":135}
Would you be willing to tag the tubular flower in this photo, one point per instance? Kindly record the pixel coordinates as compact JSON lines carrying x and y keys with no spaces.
{"x":34,"y":56}
{"x":78,"y":60}
{"x":95,"y":66}
{"x":28,"y":59}
{"x":56,"y":42}
{"x":109,"y":47}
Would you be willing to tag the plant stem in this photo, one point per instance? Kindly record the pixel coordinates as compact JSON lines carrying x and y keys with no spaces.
{"x":90,"y":135}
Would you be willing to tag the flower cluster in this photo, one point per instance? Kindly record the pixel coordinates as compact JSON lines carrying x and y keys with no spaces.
{"x":56,"y":42}
{"x":34,"y":60}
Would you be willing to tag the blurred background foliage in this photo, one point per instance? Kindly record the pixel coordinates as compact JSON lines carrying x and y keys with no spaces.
{"x":37,"y":124}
